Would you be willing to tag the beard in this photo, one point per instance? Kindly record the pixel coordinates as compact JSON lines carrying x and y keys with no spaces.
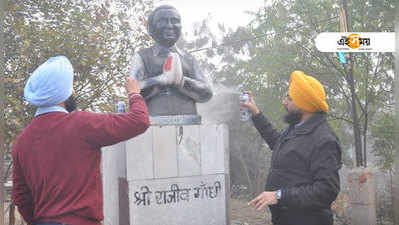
{"x":293,"y":117}
{"x":70,"y":104}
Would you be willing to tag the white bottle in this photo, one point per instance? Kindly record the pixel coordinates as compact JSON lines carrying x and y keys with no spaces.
{"x":121,"y":107}
{"x":244,"y":112}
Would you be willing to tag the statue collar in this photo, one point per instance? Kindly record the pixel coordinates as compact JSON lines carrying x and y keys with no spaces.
{"x":160,"y":50}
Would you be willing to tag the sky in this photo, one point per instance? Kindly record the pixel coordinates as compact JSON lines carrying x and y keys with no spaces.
{"x":231,"y":13}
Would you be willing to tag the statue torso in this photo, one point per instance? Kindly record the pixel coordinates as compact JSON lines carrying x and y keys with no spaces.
{"x":169,"y":101}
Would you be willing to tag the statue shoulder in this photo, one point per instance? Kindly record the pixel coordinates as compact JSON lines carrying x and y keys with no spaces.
{"x":188,"y":57}
{"x":145,"y":52}
{"x":185,"y":53}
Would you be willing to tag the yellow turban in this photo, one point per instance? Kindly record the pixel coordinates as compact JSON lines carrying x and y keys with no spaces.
{"x":307,"y":93}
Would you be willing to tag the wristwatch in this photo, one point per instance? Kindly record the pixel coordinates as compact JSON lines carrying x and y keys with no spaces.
{"x":278,"y":194}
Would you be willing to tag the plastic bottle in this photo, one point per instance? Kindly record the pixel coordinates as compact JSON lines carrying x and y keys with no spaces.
{"x":121,"y":107}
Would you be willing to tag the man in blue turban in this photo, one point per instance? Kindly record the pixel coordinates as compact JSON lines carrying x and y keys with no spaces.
{"x":56,"y":172}
{"x":50,"y":85}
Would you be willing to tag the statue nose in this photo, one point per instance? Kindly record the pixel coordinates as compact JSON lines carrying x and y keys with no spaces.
{"x":169,"y":23}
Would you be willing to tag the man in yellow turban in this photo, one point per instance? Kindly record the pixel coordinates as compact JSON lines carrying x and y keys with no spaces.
{"x":303,"y":179}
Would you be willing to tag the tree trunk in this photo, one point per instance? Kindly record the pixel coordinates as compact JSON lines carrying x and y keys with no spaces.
{"x":11,"y":214}
{"x":246,"y":171}
{"x":395,"y":193}
{"x":2,"y":99}
{"x":355,"y":116}
{"x":260,"y":172}
{"x":344,"y":27}
{"x":394,"y":196}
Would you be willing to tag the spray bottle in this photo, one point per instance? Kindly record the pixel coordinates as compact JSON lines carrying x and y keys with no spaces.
{"x":244,"y":112}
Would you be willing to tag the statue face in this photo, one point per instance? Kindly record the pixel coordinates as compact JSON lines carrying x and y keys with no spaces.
{"x":166,"y":27}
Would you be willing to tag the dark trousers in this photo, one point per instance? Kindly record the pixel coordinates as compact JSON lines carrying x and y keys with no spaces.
{"x":281,"y":216}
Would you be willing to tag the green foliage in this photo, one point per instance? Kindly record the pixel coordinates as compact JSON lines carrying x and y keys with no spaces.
{"x":280,"y":40}
{"x":385,"y":137}
{"x":97,"y":38}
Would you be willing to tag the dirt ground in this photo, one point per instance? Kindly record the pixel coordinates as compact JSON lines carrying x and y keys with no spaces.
{"x":242,"y":214}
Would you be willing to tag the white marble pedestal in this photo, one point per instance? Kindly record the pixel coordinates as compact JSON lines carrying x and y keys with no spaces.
{"x":174,"y":175}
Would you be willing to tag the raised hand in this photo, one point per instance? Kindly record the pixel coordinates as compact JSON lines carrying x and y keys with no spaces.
{"x":132,"y":86}
{"x":173,"y":71}
{"x":251,"y":105}
{"x":178,"y":81}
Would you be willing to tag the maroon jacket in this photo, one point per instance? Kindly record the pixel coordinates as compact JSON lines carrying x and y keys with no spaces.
{"x":56,"y":174}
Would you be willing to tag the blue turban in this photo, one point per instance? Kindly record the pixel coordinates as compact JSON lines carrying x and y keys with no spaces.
{"x":51,"y":83}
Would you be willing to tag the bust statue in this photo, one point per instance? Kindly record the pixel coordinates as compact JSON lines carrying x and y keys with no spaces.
{"x":170,"y":78}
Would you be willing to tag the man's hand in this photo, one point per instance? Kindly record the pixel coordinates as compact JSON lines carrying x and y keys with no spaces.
{"x":264,"y":199}
{"x":178,"y":68}
{"x":251,"y":105}
{"x":132,"y":86}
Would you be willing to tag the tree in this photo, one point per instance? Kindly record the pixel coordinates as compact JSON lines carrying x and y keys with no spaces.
{"x":97,"y":38}
{"x":281,"y":39}
{"x":2,"y":119}
{"x":396,"y":175}
{"x":247,"y":149}
{"x":384,"y":136}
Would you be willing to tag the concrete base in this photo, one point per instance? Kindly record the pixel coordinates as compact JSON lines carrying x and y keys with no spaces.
{"x":113,"y":167}
{"x":195,"y":200}
{"x":172,"y":175}
{"x":362,"y":197}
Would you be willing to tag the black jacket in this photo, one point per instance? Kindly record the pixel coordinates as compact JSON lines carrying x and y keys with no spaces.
{"x":305,"y":164}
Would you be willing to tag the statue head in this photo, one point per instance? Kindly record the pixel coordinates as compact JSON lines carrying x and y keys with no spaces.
{"x":164,"y":25}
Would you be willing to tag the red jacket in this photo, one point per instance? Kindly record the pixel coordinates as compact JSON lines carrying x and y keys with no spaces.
{"x":56,"y":173}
